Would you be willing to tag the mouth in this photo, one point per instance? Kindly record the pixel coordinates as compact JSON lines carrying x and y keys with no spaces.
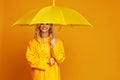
{"x":44,"y":28}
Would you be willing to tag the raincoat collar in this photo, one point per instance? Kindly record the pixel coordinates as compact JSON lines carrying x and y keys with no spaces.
{"x":46,"y":40}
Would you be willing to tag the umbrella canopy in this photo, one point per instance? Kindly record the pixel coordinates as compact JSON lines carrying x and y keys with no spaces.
{"x":53,"y":15}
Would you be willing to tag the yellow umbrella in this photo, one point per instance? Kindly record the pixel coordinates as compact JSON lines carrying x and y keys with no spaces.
{"x":54,"y":15}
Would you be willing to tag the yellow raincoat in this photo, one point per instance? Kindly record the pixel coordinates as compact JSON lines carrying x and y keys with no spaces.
{"x":37,"y":54}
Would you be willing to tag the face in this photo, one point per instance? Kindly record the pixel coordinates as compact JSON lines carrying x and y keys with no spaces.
{"x":45,"y":27}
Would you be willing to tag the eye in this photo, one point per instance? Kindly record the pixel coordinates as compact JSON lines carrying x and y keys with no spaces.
{"x":41,"y":24}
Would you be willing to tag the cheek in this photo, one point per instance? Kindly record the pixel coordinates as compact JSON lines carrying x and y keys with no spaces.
{"x":49,"y":27}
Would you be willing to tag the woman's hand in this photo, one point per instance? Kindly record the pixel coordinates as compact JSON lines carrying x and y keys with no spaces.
{"x":52,"y":39}
{"x":51,"y":61}
{"x":53,"y":42}
{"x":48,"y":61}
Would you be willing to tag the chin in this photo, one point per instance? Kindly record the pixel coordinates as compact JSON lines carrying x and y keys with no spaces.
{"x":44,"y":31}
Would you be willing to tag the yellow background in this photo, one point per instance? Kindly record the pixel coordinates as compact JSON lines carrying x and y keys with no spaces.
{"x":92,"y":53}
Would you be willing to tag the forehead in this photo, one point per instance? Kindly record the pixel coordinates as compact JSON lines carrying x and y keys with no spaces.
{"x":45,"y":24}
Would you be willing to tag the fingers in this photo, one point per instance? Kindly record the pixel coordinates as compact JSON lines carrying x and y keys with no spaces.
{"x":53,"y":42}
{"x":51,"y":61}
{"x":48,"y":61}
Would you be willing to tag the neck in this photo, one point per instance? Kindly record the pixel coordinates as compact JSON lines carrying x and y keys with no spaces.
{"x":44,"y":34}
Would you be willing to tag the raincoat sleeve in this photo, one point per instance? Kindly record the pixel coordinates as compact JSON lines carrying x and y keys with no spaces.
{"x":33,"y":58}
{"x":58,"y":52}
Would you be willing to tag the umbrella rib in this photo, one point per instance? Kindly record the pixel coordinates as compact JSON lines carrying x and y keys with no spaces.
{"x":34,"y":17}
{"x":62,"y":16}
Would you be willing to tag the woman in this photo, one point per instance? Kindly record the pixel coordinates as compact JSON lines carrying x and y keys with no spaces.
{"x":45,"y":53}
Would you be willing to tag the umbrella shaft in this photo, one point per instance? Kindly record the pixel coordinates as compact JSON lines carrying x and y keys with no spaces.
{"x":53,"y":2}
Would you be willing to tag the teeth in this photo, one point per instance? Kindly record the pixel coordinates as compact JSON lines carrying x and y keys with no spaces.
{"x":44,"y":28}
